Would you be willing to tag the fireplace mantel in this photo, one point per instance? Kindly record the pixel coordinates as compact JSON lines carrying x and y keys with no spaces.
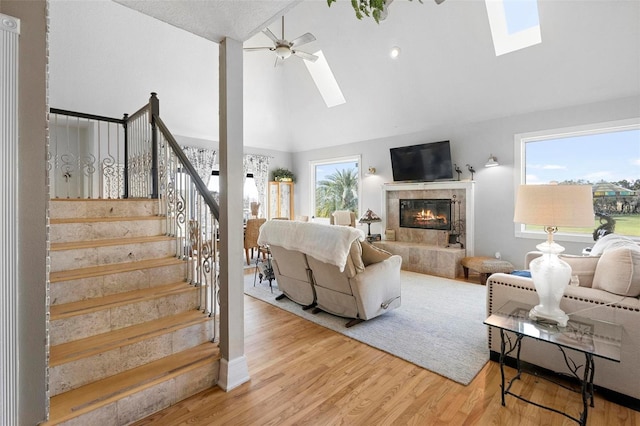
{"x":466,"y":186}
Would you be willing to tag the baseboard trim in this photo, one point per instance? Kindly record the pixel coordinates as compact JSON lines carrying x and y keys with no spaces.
{"x":608,"y":394}
{"x":233,"y":373}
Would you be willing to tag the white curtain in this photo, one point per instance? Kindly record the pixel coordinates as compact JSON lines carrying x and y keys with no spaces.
{"x":205,"y":160}
{"x":202,"y":159}
{"x":258,"y":165}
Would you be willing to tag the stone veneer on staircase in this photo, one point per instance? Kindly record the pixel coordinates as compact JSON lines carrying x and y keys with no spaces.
{"x":126,"y":336}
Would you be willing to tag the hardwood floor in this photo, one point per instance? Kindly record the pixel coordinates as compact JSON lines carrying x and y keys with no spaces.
{"x":302,"y":373}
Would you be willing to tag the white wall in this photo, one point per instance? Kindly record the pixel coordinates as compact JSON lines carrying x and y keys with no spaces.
{"x":471,"y":143}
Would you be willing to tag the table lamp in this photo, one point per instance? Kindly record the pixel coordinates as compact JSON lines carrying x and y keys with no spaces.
{"x":552,"y":206}
{"x":369,"y":217}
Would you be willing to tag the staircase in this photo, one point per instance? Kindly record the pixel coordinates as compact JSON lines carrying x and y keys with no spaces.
{"x":127,"y":337}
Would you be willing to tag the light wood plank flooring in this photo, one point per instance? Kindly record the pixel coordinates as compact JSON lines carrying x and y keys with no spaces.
{"x":302,"y":373}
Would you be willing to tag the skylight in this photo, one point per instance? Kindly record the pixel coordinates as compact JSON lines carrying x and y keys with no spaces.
{"x":515,"y":24}
{"x":325,"y":81}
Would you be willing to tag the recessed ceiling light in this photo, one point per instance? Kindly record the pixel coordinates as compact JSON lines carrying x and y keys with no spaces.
{"x":395,"y":52}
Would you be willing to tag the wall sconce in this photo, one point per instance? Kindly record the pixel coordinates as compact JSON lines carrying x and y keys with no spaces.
{"x":471,"y":169}
{"x":492,"y":161}
{"x":371,"y":171}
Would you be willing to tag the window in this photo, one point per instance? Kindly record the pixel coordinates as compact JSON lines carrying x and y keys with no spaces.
{"x":514,"y":24}
{"x":605,"y":156}
{"x":336,"y":185}
{"x":325,"y":81}
{"x":250,"y":192}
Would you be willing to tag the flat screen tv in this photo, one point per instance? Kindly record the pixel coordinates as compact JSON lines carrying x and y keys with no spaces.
{"x":426,"y":162}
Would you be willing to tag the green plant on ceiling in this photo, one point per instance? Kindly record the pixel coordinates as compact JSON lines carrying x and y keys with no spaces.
{"x":377,"y":9}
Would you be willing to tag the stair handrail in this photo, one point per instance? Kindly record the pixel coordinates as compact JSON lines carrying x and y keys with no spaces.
{"x":59,"y":162}
{"x":197,"y":180}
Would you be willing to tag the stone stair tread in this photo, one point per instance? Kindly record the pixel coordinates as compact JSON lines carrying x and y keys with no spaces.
{"x":112,"y":268}
{"x":83,"y":307}
{"x":106,"y":391}
{"x":109,"y":242}
{"x":103,"y":219}
{"x":89,"y":346}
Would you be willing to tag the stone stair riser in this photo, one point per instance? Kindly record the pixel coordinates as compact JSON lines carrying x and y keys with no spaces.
{"x":73,"y":374}
{"x":88,"y":231}
{"x":81,"y":326}
{"x":105,"y":285}
{"x":60,"y":209}
{"x":63,"y":260}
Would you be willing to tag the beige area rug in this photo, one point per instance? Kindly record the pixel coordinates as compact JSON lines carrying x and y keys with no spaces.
{"x":439,"y":326}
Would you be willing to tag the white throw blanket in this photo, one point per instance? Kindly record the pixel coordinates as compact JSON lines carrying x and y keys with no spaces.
{"x":327,"y":243}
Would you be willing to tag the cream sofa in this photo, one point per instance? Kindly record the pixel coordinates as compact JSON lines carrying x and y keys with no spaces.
{"x":332,"y":269}
{"x":609,"y":290}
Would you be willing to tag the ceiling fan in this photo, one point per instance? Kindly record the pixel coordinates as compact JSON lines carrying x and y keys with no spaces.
{"x":285,"y":49}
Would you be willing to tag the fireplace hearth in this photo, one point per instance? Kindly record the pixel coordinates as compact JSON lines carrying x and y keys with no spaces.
{"x":425,"y":213}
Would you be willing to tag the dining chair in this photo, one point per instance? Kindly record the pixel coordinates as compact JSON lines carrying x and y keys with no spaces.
{"x":343,"y":217}
{"x":251,"y":233}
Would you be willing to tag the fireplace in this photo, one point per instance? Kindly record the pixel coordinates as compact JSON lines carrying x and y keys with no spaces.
{"x":425,"y":213}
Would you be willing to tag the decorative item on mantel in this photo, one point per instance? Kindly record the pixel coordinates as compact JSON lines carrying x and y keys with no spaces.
{"x":457,"y":169}
{"x":370,"y":217}
{"x":552,"y":206}
{"x":471,"y":170}
{"x":282,"y":175}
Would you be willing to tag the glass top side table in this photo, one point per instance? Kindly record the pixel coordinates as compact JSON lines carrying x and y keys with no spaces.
{"x":589,"y":337}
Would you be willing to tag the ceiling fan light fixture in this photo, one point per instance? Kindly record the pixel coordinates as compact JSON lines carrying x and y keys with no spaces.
{"x":395,"y":52}
{"x":283,"y":52}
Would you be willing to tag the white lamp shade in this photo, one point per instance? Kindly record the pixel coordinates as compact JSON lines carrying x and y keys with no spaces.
{"x":554,"y":205}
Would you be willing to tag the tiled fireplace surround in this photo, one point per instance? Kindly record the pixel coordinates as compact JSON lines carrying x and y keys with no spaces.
{"x":426,"y":250}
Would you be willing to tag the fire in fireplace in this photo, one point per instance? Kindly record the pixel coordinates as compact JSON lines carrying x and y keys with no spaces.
{"x":426,"y":214}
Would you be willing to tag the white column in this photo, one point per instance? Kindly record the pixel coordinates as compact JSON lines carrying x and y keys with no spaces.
{"x":233,"y":365}
{"x":9,"y":34}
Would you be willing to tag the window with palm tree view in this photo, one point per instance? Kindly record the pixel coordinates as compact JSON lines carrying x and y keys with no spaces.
{"x":336,"y":186}
{"x":604,"y":156}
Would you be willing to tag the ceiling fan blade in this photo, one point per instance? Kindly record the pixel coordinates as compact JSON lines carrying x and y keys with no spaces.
{"x":304,"y":55}
{"x":255,"y":49}
{"x":269,"y":34}
{"x":303,"y":39}
{"x":439,"y":1}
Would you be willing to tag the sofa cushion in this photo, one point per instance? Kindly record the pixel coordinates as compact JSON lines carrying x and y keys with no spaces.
{"x":618,"y":272}
{"x":372,"y":254}
{"x":354,"y":263}
{"x":582,"y":266}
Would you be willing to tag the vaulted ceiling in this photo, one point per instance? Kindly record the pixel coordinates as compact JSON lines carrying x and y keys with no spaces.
{"x":447,"y":72}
